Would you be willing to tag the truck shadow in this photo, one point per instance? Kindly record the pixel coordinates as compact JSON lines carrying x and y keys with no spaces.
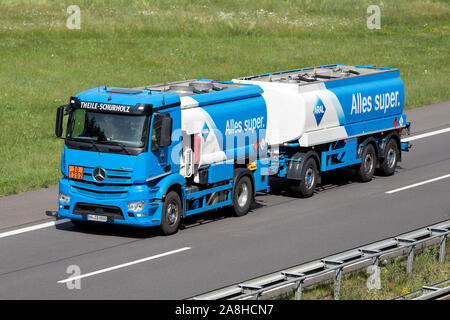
{"x":205,"y":218}
{"x":279,"y":193}
{"x":330,"y":180}
{"x":106,"y":229}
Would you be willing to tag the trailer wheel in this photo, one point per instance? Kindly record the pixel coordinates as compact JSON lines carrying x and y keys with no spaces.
{"x":171,"y":213}
{"x":368,"y":163}
{"x":242,"y":196}
{"x":309,"y":176}
{"x":387,"y":167}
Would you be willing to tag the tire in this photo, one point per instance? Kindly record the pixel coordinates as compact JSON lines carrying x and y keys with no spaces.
{"x":242,"y":196}
{"x":368,"y":163}
{"x":310,"y":175}
{"x":389,"y":164}
{"x":171,"y":213}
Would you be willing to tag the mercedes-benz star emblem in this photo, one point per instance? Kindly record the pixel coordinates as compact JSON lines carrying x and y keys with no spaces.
{"x":99,"y":174}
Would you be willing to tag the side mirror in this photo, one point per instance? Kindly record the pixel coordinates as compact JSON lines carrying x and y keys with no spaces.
{"x":59,"y":121}
{"x":165,"y":138}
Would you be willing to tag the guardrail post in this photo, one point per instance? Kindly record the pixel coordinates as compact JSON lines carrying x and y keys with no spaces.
{"x":337,"y":284}
{"x":442,"y":249}
{"x":410,"y":248}
{"x":443,"y":240}
{"x":298,"y":290}
{"x":376,"y":261}
{"x":298,"y":284}
{"x":248,"y":287}
{"x":410,"y":260}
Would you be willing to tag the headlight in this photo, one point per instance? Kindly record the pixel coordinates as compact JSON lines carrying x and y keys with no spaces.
{"x":136,"y":206}
{"x":63,"y":198}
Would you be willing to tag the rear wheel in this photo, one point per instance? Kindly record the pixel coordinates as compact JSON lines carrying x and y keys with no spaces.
{"x":242,"y":196}
{"x":310,"y":175}
{"x":387,"y":167}
{"x":368,"y":163}
{"x":171,"y":213}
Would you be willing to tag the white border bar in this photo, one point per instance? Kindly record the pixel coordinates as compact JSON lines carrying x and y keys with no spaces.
{"x":425,"y":135}
{"x":418,"y":184}
{"x":32,"y":228}
{"x":124,"y":265}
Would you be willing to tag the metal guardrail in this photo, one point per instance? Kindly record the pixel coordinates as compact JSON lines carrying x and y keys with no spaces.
{"x":433,"y":292}
{"x":305,"y":275}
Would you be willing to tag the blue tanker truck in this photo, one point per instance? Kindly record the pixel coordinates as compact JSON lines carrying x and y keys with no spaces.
{"x":153,"y":155}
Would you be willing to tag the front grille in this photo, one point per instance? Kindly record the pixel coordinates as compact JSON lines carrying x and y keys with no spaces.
{"x":88,"y":208}
{"x":99,"y":191}
{"x":100,"y":184}
{"x":118,"y":177}
{"x":116,"y":184}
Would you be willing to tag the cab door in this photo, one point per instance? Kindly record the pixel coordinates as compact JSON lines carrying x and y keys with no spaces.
{"x":164,"y":139}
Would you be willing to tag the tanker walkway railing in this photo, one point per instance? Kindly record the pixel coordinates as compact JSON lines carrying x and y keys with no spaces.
{"x":305,"y":275}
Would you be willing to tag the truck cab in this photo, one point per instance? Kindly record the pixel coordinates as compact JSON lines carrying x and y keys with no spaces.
{"x":118,"y":145}
{"x":131,"y":158}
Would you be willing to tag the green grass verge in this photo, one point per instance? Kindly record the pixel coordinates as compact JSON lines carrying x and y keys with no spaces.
{"x":394,"y":280}
{"x":134,"y":43}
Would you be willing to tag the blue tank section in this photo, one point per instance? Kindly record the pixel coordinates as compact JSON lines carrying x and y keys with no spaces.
{"x":239,"y":125}
{"x":370,"y":97}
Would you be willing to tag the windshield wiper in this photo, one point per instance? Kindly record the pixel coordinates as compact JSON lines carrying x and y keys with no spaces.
{"x":113,"y":143}
{"x":91,"y":143}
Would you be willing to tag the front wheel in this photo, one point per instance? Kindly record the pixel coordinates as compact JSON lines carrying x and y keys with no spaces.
{"x":171,"y":213}
{"x":242,"y":196}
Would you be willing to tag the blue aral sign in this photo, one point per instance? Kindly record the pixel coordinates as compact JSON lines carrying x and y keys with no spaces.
{"x":205,"y":131}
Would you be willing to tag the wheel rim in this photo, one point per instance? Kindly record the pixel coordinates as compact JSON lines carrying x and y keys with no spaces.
{"x":391,"y":158}
{"x":242,"y":194}
{"x":172,"y":213}
{"x":368,"y":162}
{"x":309,"y":178}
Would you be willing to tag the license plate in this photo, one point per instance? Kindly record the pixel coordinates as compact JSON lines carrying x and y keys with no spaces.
{"x":94,"y":217}
{"x":76,"y":172}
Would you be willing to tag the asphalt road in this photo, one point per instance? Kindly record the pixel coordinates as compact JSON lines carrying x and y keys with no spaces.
{"x":216,"y":250}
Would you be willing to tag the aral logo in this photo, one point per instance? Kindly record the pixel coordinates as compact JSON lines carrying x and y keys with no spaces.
{"x":205,"y":131}
{"x":319,"y":111}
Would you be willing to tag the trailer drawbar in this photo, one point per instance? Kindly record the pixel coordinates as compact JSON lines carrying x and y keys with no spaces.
{"x":153,"y":155}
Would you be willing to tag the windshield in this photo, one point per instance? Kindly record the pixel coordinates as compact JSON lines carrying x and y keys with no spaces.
{"x":108,"y":128}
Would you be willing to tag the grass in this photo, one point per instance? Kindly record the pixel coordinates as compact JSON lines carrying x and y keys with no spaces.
{"x":134,"y":43}
{"x":394,"y":279}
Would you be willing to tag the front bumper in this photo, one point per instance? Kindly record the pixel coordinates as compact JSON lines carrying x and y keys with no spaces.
{"x":152,"y":209}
